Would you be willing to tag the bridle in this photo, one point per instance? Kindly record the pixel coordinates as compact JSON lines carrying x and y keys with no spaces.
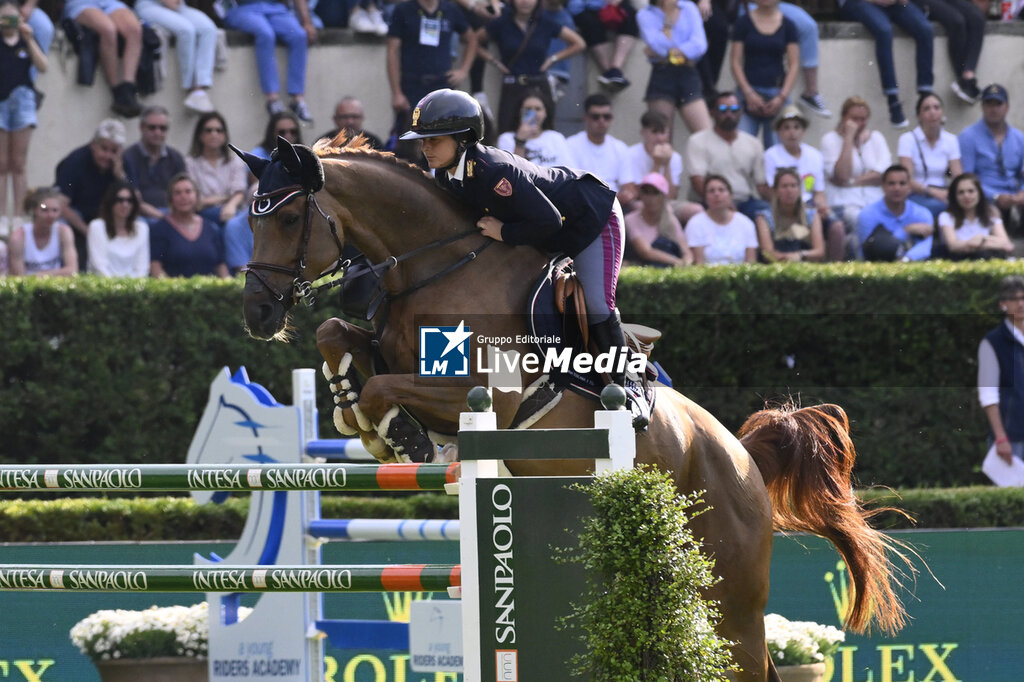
{"x":304,"y":289}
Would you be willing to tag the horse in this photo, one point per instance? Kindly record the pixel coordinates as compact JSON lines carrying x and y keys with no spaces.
{"x":788,"y":468}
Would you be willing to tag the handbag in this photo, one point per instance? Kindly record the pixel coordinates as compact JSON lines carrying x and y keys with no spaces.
{"x":882,"y":245}
{"x":612,"y":16}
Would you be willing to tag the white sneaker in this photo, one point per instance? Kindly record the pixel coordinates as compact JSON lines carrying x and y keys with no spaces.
{"x":199,"y":102}
{"x":377,"y":19}
{"x":360,"y":22}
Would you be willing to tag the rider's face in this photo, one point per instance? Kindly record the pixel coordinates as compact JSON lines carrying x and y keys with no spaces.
{"x":439,"y":151}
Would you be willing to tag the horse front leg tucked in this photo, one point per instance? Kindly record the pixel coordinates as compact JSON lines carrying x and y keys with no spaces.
{"x":403,"y":408}
{"x":348,"y":363}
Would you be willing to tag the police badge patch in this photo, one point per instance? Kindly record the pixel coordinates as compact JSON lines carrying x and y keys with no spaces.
{"x":503,"y":188}
{"x":415,"y":116}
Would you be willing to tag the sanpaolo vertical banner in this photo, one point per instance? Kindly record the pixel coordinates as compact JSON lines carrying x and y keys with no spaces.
{"x":525,"y":593}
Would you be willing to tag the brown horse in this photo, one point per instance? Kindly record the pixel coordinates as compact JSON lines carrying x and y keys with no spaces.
{"x":790,"y":468}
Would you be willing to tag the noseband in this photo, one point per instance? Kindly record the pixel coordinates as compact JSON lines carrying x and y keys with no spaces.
{"x":268,"y":204}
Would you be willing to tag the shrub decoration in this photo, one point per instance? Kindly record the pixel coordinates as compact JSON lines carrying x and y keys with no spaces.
{"x":793,"y":642}
{"x":643,"y":613}
{"x":157,"y":631}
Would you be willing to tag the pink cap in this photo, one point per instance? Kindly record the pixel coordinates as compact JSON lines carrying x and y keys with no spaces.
{"x":657,"y":181}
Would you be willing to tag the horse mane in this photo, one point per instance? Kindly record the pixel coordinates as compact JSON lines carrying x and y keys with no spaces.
{"x":341,"y":146}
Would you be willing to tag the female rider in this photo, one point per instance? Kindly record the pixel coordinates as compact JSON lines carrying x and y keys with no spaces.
{"x":555,"y":209}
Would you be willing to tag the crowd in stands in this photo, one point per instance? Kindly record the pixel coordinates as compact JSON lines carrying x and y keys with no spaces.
{"x":747,"y":186}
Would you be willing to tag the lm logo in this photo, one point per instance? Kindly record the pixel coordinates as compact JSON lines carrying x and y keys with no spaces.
{"x":444,"y":351}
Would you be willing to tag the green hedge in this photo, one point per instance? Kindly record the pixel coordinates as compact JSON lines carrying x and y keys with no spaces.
{"x":179,"y":518}
{"x":102,"y":370}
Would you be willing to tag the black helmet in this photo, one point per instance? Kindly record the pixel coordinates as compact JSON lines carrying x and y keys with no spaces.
{"x":447,"y":112}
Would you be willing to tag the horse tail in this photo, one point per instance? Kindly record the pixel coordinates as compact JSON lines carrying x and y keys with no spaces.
{"x":806,"y":459}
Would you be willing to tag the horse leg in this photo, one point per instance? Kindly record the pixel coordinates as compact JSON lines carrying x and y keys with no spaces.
{"x":348,"y":362}
{"x":736,"y":531}
{"x":402,"y":408}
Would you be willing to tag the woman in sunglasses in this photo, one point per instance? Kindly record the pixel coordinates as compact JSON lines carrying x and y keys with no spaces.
{"x":119,"y":239}
{"x":221,"y":177}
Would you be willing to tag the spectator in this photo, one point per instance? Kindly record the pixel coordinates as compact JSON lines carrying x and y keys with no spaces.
{"x":964,"y":22}
{"x":878,"y":16}
{"x":221,"y":177}
{"x":654,"y":154}
{"x":119,"y":239}
{"x":366,"y":17}
{"x":83,"y":177}
{"x":5,"y":263}
{"x":523,"y":35}
{"x":674,"y":34}
{"x":195,"y":40}
{"x":721,"y":235}
{"x":44,"y":247}
{"x":534,"y":137}
{"x":653,"y":235}
{"x":792,"y":152}
{"x":731,"y":153}
{"x":19,"y":54}
{"x":42,"y":25}
{"x":268,"y":21}
{"x":931,"y":154}
{"x":855,"y":157}
{"x":593,"y":148}
{"x":791,"y":231}
{"x":149,"y":164}
{"x":894,"y":228}
{"x":610,"y":30}
{"x":419,"y":58}
{"x":807,"y":36}
{"x":237,"y":233}
{"x":349,"y":116}
{"x":113,"y":22}
{"x":971,"y":226}
{"x":994,"y":150}
{"x":764,"y":61}
{"x":1001,"y":373}
{"x":184,"y":243}
{"x":718,"y":17}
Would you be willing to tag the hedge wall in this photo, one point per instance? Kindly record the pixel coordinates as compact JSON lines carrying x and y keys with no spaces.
{"x":102,"y":370}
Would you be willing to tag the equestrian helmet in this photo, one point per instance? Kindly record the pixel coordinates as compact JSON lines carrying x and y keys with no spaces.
{"x":447,"y":112}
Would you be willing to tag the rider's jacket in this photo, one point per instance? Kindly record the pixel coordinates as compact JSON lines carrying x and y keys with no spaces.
{"x":557,"y":209}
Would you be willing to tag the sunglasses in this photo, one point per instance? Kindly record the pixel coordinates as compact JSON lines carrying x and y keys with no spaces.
{"x":124,"y":200}
{"x":213,"y":130}
{"x":600,"y":117}
{"x":157,"y":126}
{"x":728,"y":108}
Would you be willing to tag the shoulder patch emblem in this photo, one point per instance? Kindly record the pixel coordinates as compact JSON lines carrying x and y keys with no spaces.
{"x":503,"y":188}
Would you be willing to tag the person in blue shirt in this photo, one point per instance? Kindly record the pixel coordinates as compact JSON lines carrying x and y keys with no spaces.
{"x":909,"y":225}
{"x":993,"y":150}
{"x":558,"y":210}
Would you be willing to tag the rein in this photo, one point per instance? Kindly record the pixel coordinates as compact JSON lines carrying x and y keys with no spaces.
{"x":305,"y":290}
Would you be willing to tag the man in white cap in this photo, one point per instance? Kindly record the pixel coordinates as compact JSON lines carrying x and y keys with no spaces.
{"x":84,"y":175}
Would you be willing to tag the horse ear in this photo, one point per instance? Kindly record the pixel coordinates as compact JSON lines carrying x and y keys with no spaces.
{"x":287,"y":156}
{"x":256,"y":164}
{"x":312,"y":175}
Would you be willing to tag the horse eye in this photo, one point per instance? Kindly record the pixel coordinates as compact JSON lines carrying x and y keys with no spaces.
{"x":290,"y":218}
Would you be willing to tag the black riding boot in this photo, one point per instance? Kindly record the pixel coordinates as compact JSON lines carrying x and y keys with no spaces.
{"x":607,"y":335}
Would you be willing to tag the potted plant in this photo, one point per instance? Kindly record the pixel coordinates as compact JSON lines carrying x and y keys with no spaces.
{"x":799,"y":648}
{"x":159,"y":644}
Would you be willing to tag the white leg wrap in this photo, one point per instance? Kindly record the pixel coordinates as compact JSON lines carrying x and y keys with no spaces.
{"x":361,"y":420}
{"x":339,"y":423}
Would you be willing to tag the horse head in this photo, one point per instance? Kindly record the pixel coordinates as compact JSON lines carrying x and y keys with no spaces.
{"x":289,"y":250}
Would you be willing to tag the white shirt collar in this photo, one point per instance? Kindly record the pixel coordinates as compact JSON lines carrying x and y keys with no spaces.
{"x":460,"y":169}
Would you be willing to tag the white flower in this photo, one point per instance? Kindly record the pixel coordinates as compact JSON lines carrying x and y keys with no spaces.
{"x":108,"y":634}
{"x":800,"y":642}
